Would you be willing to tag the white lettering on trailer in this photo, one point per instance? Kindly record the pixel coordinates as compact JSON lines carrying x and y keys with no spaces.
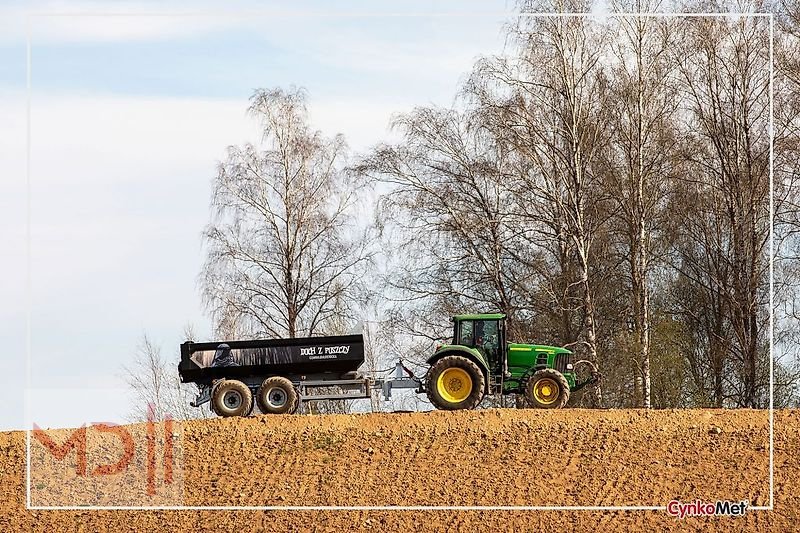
{"x":324,"y":352}
{"x":343,"y":350}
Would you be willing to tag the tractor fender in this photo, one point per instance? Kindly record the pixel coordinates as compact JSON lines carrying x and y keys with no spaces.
{"x":470,"y":353}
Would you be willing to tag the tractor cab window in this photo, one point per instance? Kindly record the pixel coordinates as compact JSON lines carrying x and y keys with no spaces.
{"x":486,"y":332}
{"x":465,"y":334}
{"x":482,"y":334}
{"x":487,"y":337}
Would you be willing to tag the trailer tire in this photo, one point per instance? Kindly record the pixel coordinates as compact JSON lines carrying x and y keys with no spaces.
{"x":547,"y":389}
{"x":277,"y":396}
{"x":231,"y":397}
{"x":454,"y":382}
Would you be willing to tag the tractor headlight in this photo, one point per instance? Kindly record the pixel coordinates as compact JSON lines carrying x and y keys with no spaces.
{"x":569,"y":366}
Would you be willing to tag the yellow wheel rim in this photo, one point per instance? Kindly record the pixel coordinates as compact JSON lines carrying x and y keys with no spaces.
{"x":454,"y":385}
{"x":545,"y":391}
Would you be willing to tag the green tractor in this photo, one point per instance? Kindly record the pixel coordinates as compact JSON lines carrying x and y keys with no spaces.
{"x":480,"y":361}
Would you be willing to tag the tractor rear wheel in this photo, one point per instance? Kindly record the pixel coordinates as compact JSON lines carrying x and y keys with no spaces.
{"x":231,"y":397}
{"x":547,"y":389}
{"x":277,"y":396}
{"x":455,"y":382}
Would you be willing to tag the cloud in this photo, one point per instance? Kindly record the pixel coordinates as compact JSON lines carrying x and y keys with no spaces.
{"x":400,"y":46}
{"x":94,"y":22}
{"x":98,"y":21}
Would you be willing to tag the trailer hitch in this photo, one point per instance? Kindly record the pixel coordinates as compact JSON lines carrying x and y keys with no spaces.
{"x":204,"y":396}
{"x":403,"y":378}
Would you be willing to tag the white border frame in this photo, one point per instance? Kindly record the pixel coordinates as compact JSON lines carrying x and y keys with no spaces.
{"x":28,"y":283}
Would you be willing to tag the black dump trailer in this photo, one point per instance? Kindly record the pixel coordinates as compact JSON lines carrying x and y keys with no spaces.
{"x":277,"y":375}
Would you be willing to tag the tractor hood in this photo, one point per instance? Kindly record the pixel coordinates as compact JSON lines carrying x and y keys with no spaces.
{"x":515,"y":347}
{"x":524,"y":357}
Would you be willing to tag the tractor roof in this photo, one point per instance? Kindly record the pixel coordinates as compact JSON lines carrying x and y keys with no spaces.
{"x":484,"y":316}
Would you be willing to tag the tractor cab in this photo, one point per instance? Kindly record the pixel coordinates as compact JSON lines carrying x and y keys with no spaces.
{"x":485,"y":333}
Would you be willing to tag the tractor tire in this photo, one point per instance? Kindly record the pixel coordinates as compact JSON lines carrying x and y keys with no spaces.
{"x":547,"y":389}
{"x":231,"y":397}
{"x":455,"y":382}
{"x":277,"y":396}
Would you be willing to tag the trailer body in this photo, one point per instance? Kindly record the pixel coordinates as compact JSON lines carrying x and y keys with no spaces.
{"x":204,"y":362}
{"x":279,"y":375}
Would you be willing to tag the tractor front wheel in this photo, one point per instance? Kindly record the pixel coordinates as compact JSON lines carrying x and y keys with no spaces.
{"x":454,"y":382}
{"x":547,"y":389}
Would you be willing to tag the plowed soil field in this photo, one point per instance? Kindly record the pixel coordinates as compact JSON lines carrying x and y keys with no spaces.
{"x":504,"y":457}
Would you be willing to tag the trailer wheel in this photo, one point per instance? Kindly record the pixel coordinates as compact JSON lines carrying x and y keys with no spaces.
{"x":547,"y":389}
{"x":455,"y":382}
{"x":231,"y":398}
{"x":277,"y":396}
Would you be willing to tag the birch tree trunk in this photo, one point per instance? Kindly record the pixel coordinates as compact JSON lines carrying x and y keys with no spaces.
{"x":643,"y":102}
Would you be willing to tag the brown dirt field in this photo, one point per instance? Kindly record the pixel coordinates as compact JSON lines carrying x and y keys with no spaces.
{"x":490,"y":457}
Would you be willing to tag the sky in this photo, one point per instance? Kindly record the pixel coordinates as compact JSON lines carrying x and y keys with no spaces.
{"x":132,"y":104}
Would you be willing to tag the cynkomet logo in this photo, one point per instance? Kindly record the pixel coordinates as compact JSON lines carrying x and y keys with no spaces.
{"x":700,"y":508}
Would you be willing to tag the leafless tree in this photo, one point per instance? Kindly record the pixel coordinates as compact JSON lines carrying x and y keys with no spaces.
{"x":451,"y":215}
{"x":725,"y":72}
{"x":786,"y":201}
{"x":155,"y":384}
{"x":282,"y":251}
{"x":642,"y":111}
{"x":547,"y":102}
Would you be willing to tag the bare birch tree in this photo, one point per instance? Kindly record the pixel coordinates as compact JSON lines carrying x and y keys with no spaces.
{"x":725,"y":71}
{"x":281,"y":248}
{"x":156,"y":387}
{"x":453,"y":209}
{"x":786,"y":201}
{"x":642,"y":110}
{"x":547,"y":102}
